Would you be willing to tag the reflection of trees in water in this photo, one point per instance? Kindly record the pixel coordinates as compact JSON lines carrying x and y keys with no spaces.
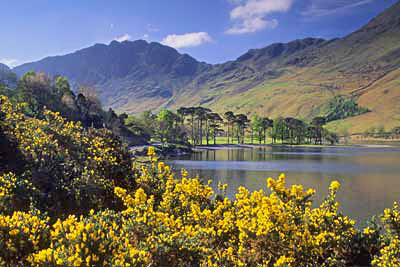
{"x":276,"y":154}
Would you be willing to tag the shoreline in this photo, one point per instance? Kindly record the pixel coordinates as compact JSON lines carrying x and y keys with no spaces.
{"x":239,"y":146}
{"x":171,"y":150}
{"x":177,"y":150}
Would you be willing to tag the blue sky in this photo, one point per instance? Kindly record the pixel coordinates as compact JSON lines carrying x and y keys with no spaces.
{"x":214,"y":31}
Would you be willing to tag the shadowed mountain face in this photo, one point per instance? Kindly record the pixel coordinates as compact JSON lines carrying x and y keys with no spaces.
{"x":100,"y":63}
{"x":121,"y":71}
{"x":293,"y":79}
{"x":7,"y":76}
{"x":128,"y":73}
{"x":4,"y":67}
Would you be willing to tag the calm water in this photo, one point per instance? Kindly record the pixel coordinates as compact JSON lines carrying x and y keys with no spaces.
{"x":370,"y":176}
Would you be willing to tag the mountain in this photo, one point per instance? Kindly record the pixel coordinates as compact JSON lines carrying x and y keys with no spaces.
{"x":4,"y":67}
{"x":123,"y":72}
{"x":364,"y":65}
{"x":7,"y":76}
{"x":297,"y":79}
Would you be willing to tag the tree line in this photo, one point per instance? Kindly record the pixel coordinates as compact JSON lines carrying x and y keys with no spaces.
{"x":188,"y":125}
{"x":380,"y":132}
{"x":200,"y":125}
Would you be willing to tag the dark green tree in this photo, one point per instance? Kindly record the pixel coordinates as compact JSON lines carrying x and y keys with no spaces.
{"x":201,"y":116}
{"x":230,"y":118}
{"x":266,"y":124}
{"x":165,"y":121}
{"x":318,"y":122}
{"x":215,"y":121}
{"x":279,"y":130}
{"x":242,"y":122}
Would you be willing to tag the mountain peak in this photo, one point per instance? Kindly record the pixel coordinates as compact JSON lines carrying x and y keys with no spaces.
{"x":148,"y":69}
{"x":282,"y":79}
{"x":388,"y":19}
{"x":114,"y":43}
{"x":4,"y":67}
{"x":279,"y":49}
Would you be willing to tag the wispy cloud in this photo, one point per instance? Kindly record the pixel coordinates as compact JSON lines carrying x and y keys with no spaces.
{"x":146,"y":36}
{"x":236,"y":2}
{"x":151,"y":28}
{"x":10,"y":62}
{"x":187,"y":39}
{"x":252,"y":25}
{"x":319,"y":8}
{"x":250,"y":15}
{"x":122,"y":38}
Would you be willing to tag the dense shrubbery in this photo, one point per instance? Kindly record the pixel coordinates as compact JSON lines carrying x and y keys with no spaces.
{"x":65,"y":167}
{"x":7,"y":78}
{"x":78,"y":200}
{"x":41,"y":92}
{"x":341,"y":107}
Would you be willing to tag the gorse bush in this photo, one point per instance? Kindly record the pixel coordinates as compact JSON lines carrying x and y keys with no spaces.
{"x":22,"y":234}
{"x":79,"y":200}
{"x":389,"y":254}
{"x":65,"y":168}
{"x":40,"y":91}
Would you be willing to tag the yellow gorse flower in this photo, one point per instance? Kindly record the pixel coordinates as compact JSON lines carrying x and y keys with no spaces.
{"x":335,"y":185}
{"x":164,"y":220}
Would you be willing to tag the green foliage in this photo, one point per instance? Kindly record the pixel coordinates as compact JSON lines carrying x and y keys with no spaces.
{"x":257,"y":127}
{"x":396,"y":130}
{"x":279,"y":130}
{"x":165,"y":119}
{"x":143,"y":126}
{"x":41,"y":92}
{"x":295,"y":131}
{"x":62,"y":86}
{"x":64,"y":167}
{"x":79,"y":200}
{"x":213,"y":129}
{"x":5,"y":91}
{"x":8,"y":78}
{"x":341,"y":107}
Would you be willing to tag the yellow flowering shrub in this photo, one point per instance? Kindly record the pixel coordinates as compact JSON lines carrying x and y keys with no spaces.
{"x":182,"y":223}
{"x":389,"y":254}
{"x":280,"y":229}
{"x":22,"y":234}
{"x":69,"y":169}
{"x":98,"y":240}
{"x":7,"y":185}
{"x":79,"y":200}
{"x":391,"y":220}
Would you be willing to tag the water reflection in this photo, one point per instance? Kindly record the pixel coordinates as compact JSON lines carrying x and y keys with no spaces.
{"x":370,"y":176}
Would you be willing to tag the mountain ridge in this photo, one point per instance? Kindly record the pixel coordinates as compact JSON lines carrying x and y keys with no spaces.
{"x":4,"y":67}
{"x":295,"y":79}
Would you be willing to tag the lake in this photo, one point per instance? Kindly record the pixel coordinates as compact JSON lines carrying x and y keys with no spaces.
{"x":369,"y":175}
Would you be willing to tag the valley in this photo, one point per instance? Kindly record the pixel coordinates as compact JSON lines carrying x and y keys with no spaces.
{"x":295,"y":79}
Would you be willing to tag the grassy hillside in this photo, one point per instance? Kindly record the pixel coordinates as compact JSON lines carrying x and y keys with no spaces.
{"x":364,"y":65}
{"x":382,"y":98}
{"x":295,"y":79}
